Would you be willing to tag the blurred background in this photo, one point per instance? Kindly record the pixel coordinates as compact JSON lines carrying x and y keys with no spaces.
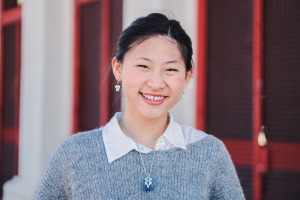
{"x":55,"y":81}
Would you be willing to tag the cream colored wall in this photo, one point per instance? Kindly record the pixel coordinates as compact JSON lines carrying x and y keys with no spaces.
{"x":185,"y":11}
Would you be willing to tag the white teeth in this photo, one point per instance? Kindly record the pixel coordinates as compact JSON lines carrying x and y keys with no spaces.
{"x":153,"y":98}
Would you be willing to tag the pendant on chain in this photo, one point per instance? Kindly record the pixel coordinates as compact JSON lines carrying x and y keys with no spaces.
{"x":148,"y":183}
{"x":148,"y":186}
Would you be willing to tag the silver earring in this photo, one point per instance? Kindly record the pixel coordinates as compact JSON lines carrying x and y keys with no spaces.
{"x":117,"y":86}
{"x":182,"y":95}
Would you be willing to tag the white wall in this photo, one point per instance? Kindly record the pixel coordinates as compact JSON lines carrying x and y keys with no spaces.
{"x":185,"y":11}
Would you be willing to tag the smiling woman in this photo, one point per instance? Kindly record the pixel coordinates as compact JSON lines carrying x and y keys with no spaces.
{"x":153,"y":76}
{"x":143,"y":153}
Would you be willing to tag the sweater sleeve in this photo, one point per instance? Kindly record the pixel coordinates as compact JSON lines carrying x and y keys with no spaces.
{"x":55,"y":182}
{"x":225,"y":182}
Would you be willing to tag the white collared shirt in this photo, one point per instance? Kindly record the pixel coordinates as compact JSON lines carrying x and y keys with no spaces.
{"x":117,"y":144}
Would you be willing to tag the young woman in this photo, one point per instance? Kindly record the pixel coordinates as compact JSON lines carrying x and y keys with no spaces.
{"x":143,"y":153}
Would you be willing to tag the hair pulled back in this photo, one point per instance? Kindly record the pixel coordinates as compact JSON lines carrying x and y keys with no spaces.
{"x":153,"y":25}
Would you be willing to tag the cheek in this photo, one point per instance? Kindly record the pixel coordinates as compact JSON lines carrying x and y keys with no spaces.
{"x":132,"y":78}
{"x":177,"y":84}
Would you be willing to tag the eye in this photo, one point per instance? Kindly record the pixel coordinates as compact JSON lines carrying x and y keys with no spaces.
{"x":143,"y":66}
{"x":172,"y":70}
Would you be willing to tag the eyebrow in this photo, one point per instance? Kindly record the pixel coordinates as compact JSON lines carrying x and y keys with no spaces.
{"x":173,"y":61}
{"x":144,"y":58}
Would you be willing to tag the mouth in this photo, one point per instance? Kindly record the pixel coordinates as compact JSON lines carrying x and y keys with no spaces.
{"x":153,"y":97}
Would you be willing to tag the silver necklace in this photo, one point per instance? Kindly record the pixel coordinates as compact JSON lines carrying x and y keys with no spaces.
{"x":148,"y":180}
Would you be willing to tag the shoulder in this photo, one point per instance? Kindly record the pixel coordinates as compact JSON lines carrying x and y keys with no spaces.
{"x":84,"y":138}
{"x":80,"y":142}
{"x":215,"y":152}
{"x":193,"y":135}
{"x":210,"y":147}
{"x":81,"y":147}
{"x":200,"y":138}
{"x":215,"y":146}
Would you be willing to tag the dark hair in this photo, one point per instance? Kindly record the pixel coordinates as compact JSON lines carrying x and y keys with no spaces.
{"x":153,"y":25}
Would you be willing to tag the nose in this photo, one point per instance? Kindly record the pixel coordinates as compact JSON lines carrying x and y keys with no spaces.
{"x":156,"y":81}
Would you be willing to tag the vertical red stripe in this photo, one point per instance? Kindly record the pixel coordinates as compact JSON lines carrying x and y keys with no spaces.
{"x":201,"y":66}
{"x":76,"y":69}
{"x":257,"y":91}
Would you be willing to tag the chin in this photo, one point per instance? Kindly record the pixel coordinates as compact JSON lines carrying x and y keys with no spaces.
{"x":152,"y":114}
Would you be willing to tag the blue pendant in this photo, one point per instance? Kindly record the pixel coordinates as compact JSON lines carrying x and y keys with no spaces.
{"x":148,"y":184}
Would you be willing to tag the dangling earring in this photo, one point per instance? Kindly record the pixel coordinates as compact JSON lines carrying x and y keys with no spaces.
{"x":117,"y":86}
{"x":182,"y":95}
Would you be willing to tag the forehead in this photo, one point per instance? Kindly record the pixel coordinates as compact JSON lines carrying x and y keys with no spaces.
{"x":156,"y":48}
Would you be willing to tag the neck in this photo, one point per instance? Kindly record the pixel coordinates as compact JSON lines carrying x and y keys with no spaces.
{"x":144,"y":131}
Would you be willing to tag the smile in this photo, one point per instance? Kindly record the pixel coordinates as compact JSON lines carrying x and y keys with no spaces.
{"x":153,"y":98}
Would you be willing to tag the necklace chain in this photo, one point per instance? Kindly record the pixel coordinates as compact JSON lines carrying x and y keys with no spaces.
{"x":148,"y":175}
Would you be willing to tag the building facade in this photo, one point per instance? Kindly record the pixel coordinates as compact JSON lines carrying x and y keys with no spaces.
{"x":55,"y":81}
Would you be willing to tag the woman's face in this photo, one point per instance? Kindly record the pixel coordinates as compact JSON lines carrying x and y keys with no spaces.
{"x":153,"y":76}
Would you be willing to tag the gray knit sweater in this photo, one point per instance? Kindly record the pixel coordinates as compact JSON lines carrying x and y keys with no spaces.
{"x":78,"y":169}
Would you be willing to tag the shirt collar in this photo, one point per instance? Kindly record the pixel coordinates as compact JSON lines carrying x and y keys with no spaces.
{"x":117,"y":144}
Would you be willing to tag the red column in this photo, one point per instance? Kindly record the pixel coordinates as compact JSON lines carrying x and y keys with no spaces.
{"x":201,"y":66}
{"x":256,"y":98}
{"x":76,"y":68}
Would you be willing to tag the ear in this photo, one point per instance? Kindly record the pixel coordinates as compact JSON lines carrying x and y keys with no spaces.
{"x":117,"y":69}
{"x":188,"y":77}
